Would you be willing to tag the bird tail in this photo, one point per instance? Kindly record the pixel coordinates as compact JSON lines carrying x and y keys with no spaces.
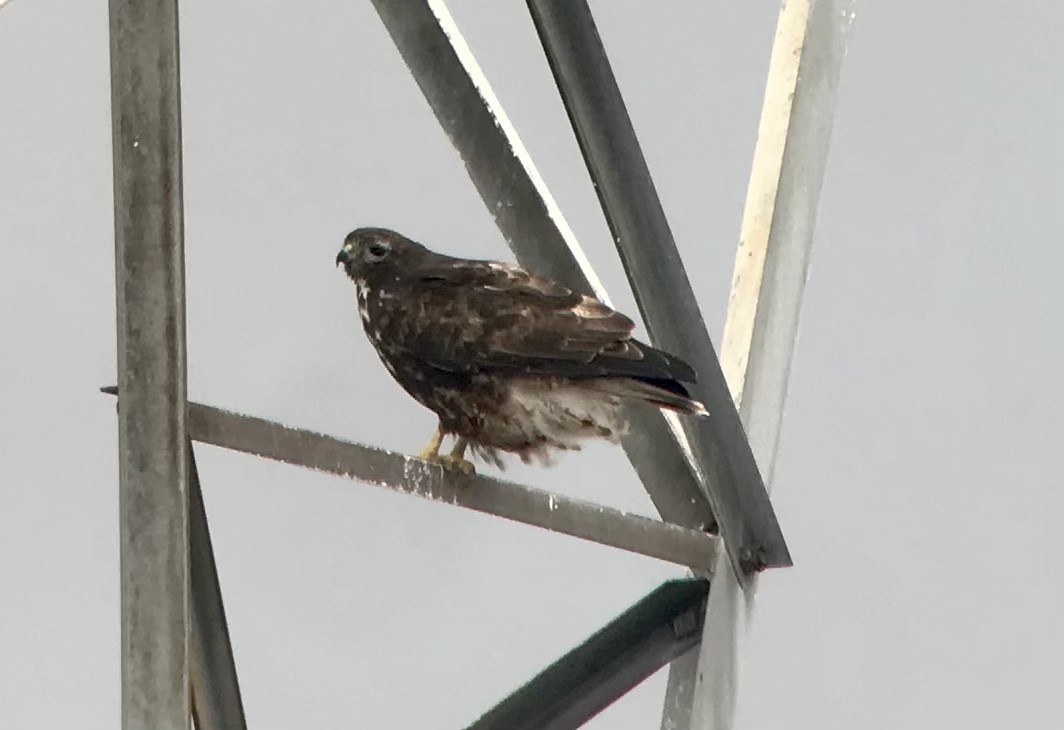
{"x":657,"y":392}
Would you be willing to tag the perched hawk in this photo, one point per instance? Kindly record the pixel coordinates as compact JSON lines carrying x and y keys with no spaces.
{"x":507,"y":360}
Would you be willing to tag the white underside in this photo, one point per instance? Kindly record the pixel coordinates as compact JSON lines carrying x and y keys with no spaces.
{"x":562,"y":415}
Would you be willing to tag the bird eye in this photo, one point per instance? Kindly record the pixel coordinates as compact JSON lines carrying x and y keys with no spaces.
{"x":378,"y":250}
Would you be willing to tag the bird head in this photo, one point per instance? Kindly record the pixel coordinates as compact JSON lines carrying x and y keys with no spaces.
{"x":370,"y":253}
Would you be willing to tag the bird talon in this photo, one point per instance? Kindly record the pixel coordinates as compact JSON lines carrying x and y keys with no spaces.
{"x":456,"y":464}
{"x":456,"y":461}
{"x":431,"y":452}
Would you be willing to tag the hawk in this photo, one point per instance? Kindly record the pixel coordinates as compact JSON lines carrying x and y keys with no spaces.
{"x":507,"y":360}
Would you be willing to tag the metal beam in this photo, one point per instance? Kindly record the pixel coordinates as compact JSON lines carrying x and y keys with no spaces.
{"x":646,"y":637}
{"x":666,"y":300}
{"x":637,"y":534}
{"x":152,"y":443}
{"x":406,"y":474}
{"x":531,"y":222}
{"x":216,"y":702}
{"x":771,"y":268}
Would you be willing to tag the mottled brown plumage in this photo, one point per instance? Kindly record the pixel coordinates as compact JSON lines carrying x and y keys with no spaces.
{"x":508,"y":361}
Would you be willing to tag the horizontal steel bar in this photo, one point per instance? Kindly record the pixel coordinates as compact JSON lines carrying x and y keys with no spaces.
{"x":666,"y":299}
{"x":216,"y":702}
{"x":531,"y":222}
{"x":607,"y":526}
{"x":643,"y":639}
{"x":407,"y":474}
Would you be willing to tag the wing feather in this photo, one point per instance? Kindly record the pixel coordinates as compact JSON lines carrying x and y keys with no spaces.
{"x":488,"y":316}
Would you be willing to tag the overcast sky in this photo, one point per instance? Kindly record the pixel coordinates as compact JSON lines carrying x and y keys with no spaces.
{"x":919,"y":477}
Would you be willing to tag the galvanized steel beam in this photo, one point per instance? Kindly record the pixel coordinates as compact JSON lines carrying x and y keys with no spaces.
{"x":684,"y":546}
{"x":606,"y":526}
{"x":152,"y":443}
{"x":666,"y":300}
{"x":771,"y":268}
{"x":216,"y":701}
{"x":585,"y":681}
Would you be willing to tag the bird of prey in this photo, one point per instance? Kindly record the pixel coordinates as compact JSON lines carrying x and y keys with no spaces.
{"x":507,"y":360}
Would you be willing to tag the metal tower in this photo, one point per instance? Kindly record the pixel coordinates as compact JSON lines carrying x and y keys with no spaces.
{"x":703,"y":476}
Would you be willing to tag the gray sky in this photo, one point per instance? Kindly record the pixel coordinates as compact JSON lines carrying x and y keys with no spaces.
{"x":919,"y":476}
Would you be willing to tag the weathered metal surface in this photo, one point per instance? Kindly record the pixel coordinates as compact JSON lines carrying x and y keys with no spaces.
{"x":646,"y":637}
{"x":152,"y":443}
{"x":410,"y":475}
{"x":762,"y":326}
{"x":216,"y":701}
{"x":645,"y":243}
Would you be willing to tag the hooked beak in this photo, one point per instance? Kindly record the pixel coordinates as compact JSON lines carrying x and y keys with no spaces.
{"x":343,"y":257}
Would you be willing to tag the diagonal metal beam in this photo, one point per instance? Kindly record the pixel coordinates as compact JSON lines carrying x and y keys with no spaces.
{"x":680,"y":545}
{"x":150,"y":289}
{"x":655,"y":539}
{"x":216,"y":702}
{"x":771,"y":268}
{"x":666,"y":300}
{"x":643,"y":639}
{"x":534,"y":227}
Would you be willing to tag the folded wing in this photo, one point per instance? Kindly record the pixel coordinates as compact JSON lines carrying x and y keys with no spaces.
{"x":491,"y":317}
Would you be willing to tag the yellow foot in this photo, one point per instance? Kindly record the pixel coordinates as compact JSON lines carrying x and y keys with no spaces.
{"x":456,"y":464}
{"x":431,"y":452}
{"x":456,"y":461}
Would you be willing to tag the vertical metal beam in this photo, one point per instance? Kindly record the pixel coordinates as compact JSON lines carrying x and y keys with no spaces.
{"x":152,"y":441}
{"x":771,"y":268}
{"x":666,"y":300}
{"x":533,"y":225}
{"x":216,"y":701}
